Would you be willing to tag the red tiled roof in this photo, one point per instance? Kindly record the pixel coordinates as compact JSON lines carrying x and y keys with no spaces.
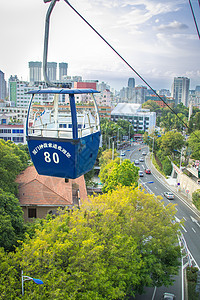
{"x":35,"y":189}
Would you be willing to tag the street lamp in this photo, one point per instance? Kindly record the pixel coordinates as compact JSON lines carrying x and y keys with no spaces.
{"x":181,"y":152}
{"x":143,"y":184}
{"x":129,"y":133}
{"x":112,"y":137}
{"x":152,"y":150}
{"x":35,"y":280}
{"x":118,"y":136}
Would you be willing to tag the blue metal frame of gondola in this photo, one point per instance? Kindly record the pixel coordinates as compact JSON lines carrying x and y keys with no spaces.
{"x":71,"y":93}
{"x":82,"y":150}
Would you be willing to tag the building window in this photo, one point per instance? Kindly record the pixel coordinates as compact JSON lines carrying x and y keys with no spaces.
{"x":18,"y":139}
{"x":31,"y":213}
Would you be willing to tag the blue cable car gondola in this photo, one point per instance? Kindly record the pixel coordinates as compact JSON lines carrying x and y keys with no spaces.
{"x":62,"y":142}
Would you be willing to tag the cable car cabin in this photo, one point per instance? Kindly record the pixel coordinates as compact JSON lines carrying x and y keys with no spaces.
{"x":63,"y":139}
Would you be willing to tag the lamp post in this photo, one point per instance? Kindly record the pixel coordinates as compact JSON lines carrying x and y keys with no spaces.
{"x":112,"y":137}
{"x":181,"y":152}
{"x":152,"y":150}
{"x":141,"y":183}
{"x":113,"y":146}
{"x":35,"y":280}
{"x":118,"y":136}
{"x":129,"y":134}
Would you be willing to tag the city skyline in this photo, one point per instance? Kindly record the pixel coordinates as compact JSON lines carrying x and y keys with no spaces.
{"x":158,"y":39}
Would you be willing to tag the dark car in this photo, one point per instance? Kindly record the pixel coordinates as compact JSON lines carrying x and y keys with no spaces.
{"x":147,"y":171}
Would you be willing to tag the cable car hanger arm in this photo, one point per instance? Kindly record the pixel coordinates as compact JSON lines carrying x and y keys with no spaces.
{"x":46,"y":40}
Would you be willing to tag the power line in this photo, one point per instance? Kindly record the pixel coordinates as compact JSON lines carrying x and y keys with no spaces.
{"x":196,"y":25}
{"x":125,"y":62}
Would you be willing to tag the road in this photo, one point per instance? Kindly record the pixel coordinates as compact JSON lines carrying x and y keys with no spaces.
{"x":190,"y":228}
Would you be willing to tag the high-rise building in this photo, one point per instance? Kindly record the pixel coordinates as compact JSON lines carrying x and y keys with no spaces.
{"x":139,"y":94}
{"x":180,"y":90}
{"x":2,"y":86}
{"x":131,"y":83}
{"x":35,"y":68}
{"x":51,"y":70}
{"x":62,"y":70}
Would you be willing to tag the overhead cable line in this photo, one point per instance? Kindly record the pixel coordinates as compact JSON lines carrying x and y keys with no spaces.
{"x":196,"y":25}
{"x":126,"y":63}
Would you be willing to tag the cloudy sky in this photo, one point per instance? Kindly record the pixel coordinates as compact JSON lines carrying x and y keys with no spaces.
{"x":157,"y":38}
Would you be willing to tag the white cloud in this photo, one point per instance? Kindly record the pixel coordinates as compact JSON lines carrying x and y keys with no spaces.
{"x":175,"y":25}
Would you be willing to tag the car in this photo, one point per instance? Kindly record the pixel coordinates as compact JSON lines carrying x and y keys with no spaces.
{"x":141,"y":174}
{"x":141,"y":159}
{"x":147,"y":171}
{"x":122,"y":153}
{"x":169,"y":195}
{"x":168,"y":296}
{"x":144,"y":153}
{"x":136,"y":162}
{"x":139,"y":149}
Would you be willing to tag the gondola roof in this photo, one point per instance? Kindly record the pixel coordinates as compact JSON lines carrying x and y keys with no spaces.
{"x":63,"y":91}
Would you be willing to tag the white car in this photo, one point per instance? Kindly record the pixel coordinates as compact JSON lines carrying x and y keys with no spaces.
{"x":141,"y":173}
{"x":136,"y":162}
{"x":141,"y":159}
{"x":168,"y":296}
{"x":144,"y":153}
{"x":169,"y":195}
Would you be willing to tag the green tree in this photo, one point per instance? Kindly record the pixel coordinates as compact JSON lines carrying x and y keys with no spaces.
{"x":12,"y":161}
{"x":196,"y":198}
{"x":170,"y":141}
{"x":114,"y":174}
{"x":194,"y":144}
{"x":106,"y":157}
{"x":11,"y":221}
{"x":111,"y":248}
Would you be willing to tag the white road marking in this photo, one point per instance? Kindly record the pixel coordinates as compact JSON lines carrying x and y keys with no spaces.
{"x":194,"y":221}
{"x":193,"y":230}
{"x":184,"y":218}
{"x":184,"y":228}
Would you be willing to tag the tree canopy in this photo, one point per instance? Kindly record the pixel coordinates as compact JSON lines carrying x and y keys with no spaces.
{"x":111,"y":248}
{"x":194,"y":143}
{"x":11,"y":221}
{"x":13,"y":160}
{"x":115,"y":173}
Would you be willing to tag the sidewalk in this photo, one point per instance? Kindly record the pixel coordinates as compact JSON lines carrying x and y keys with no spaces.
{"x":170,"y":183}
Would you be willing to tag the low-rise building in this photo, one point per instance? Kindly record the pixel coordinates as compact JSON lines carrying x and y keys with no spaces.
{"x":141,"y":119}
{"x":41,"y":195}
{"x":11,"y":132}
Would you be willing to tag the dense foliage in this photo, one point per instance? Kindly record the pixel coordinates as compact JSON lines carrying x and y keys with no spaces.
{"x":196,"y":198}
{"x":194,"y":143}
{"x":11,"y":221}
{"x":166,"y":147}
{"x":116,"y":172}
{"x":192,"y":281}
{"x":13,"y":159}
{"x":111,"y":248}
{"x":115,"y":131}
